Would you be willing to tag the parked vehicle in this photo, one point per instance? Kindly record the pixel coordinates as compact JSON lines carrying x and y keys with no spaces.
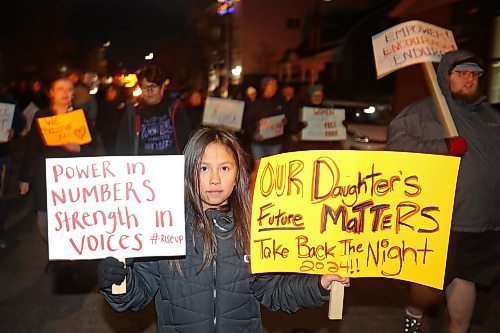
{"x":366,"y":124}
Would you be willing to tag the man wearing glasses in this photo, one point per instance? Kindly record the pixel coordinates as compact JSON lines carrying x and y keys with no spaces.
{"x":158,"y":125}
{"x":473,"y":251}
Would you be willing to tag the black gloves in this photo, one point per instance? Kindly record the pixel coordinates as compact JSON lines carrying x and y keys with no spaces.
{"x":110,"y":271}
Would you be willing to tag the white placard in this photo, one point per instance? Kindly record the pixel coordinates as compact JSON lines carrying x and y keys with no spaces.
{"x":271,"y":127}
{"x":410,"y":43}
{"x":6,"y":117}
{"x":120,"y":206}
{"x":323,"y":124}
{"x":29,"y":114}
{"x":223,"y":112}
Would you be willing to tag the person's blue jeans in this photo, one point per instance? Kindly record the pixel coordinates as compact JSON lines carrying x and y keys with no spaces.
{"x":259,"y":150}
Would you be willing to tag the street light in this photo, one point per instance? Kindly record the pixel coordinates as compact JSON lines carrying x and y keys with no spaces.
{"x":149,"y":56}
{"x":370,"y":109}
{"x":236,"y":71}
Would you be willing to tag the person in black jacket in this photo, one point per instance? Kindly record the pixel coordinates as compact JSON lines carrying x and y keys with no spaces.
{"x":159,"y":124}
{"x":265,"y":121}
{"x":194,"y":107}
{"x":33,"y":166}
{"x":211,"y":289}
{"x":111,"y":110}
{"x":5,"y":161}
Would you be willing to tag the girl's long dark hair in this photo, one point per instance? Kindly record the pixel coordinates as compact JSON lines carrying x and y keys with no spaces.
{"x":239,"y":200}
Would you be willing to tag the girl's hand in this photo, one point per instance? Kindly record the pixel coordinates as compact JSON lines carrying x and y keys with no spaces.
{"x":326,"y":280}
{"x":24,"y":187}
{"x":72,"y":147}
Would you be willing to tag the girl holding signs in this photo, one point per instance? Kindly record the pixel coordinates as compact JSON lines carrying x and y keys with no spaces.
{"x":211,"y":288}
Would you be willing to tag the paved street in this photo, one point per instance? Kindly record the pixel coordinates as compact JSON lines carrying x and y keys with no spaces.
{"x":63,"y":296}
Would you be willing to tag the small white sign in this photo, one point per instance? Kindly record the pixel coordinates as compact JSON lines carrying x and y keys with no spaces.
{"x":223,"y":112}
{"x":271,"y":127}
{"x":29,"y":114}
{"x":120,"y":206}
{"x":323,"y":124}
{"x":410,"y":43}
{"x":6,"y":117}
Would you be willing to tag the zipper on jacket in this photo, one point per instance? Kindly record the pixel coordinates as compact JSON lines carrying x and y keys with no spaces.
{"x":172,"y":119}
{"x":137,"y":132}
{"x":215,"y":294}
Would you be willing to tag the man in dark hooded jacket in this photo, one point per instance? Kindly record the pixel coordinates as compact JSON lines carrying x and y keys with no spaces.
{"x":473,"y":252}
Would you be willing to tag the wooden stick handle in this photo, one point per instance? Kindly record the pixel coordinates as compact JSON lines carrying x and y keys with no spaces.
{"x":118,"y":289}
{"x":444,"y":114}
{"x":336,"y":303}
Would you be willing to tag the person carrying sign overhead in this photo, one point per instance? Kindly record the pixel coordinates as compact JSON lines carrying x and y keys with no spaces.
{"x":159,"y":125}
{"x":473,"y":251}
{"x":211,"y":289}
{"x":48,"y":141}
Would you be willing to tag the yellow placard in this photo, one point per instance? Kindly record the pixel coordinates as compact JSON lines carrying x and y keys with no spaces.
{"x":354,"y":213}
{"x":69,"y":127}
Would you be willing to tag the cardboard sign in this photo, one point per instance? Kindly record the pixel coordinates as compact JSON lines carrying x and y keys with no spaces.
{"x":120,"y":206}
{"x":271,"y":127}
{"x":223,"y":112}
{"x":6,"y":117}
{"x":323,"y":124}
{"x":354,"y":213}
{"x":410,"y":43}
{"x":69,"y":127}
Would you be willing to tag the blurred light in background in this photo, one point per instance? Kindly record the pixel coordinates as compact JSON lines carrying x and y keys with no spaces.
{"x":225,"y":7}
{"x":137,"y":91}
{"x":236,"y":74}
{"x":107,"y":79}
{"x":370,"y":109}
{"x":236,"y":71}
{"x":129,"y":80}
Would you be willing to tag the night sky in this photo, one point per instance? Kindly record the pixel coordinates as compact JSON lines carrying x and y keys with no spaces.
{"x":41,"y":32}
{"x":124,"y":21}
{"x":133,"y":27}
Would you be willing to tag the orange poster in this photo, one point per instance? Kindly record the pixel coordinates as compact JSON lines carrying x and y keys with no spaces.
{"x":70,"y":127}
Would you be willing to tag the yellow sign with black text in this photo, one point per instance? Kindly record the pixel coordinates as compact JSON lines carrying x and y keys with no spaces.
{"x":354,"y":213}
